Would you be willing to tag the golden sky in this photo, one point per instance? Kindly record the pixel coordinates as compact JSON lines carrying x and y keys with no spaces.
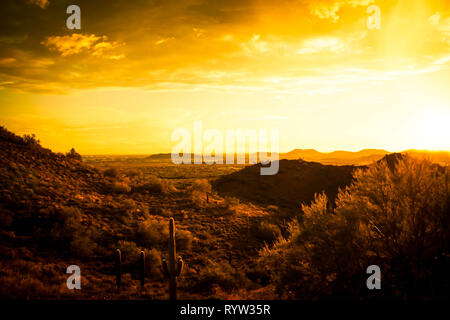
{"x":138,"y":70}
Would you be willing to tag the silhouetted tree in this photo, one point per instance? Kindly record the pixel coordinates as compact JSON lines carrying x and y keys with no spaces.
{"x":73,"y":154}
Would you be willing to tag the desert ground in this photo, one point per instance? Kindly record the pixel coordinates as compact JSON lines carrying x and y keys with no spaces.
{"x":241,"y":235}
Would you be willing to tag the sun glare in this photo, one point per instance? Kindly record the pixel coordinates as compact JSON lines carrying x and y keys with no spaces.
{"x":430,"y":129}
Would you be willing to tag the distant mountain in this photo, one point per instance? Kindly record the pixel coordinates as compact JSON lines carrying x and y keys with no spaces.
{"x":160,"y":156}
{"x":358,"y":158}
{"x":362,"y":157}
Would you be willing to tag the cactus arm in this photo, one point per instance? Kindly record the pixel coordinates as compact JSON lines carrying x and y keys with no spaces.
{"x":179,"y":266}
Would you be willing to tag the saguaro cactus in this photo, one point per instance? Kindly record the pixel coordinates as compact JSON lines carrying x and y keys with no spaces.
{"x":118,"y":268}
{"x":174,"y":268}
{"x":142,"y":269}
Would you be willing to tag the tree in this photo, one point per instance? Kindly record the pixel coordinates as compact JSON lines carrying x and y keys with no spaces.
{"x":72,"y":154}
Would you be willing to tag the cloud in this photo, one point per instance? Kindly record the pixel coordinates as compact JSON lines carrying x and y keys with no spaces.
{"x":41,"y":3}
{"x":163,"y":40}
{"x":7,"y":61}
{"x":72,"y":44}
{"x":442,"y":25}
{"x":255,"y":44}
{"x":321,"y":44}
{"x":443,"y":60}
{"x":434,"y":19}
{"x":328,"y":9}
{"x":188,"y":44}
{"x":76,"y":43}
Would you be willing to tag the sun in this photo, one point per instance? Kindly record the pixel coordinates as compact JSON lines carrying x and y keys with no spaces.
{"x":430,"y":129}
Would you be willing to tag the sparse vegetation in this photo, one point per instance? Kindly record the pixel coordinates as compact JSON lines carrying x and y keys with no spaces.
{"x":55,"y":212}
{"x":267,"y":231}
{"x":111,"y":172}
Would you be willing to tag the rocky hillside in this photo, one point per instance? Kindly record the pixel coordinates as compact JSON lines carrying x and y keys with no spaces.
{"x":56,"y":211}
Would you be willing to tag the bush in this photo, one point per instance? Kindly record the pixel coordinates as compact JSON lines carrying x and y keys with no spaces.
{"x":117,"y":187}
{"x":131,"y":258}
{"x":153,"y":232}
{"x":130,"y":253}
{"x":393,"y":215}
{"x":198,"y":191}
{"x":219,"y":274}
{"x":155,"y":185}
{"x":231,"y":205}
{"x":267,"y":232}
{"x":201,"y":185}
{"x":62,"y":228}
{"x":133,"y":173}
{"x":153,"y":262}
{"x":111,"y":172}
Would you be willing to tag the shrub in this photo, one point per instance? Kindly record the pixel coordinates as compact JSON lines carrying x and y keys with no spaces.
{"x":133,"y":173}
{"x":392,"y":215}
{"x":198,"y":191}
{"x":267,"y":232}
{"x":201,"y":185}
{"x":131,"y":258}
{"x":219,"y":274}
{"x":155,"y":185}
{"x":153,"y":262}
{"x":153,"y":232}
{"x":130,"y":252}
{"x":62,"y":228}
{"x":111,"y":172}
{"x":231,"y":205}
{"x":117,"y":187}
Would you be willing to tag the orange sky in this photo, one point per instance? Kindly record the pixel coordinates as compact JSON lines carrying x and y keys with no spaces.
{"x":138,"y":70}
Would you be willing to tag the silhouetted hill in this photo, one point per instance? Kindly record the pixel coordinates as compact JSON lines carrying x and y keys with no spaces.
{"x":392,"y":159}
{"x":296,"y":182}
{"x":26,"y":164}
{"x":160,"y":156}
